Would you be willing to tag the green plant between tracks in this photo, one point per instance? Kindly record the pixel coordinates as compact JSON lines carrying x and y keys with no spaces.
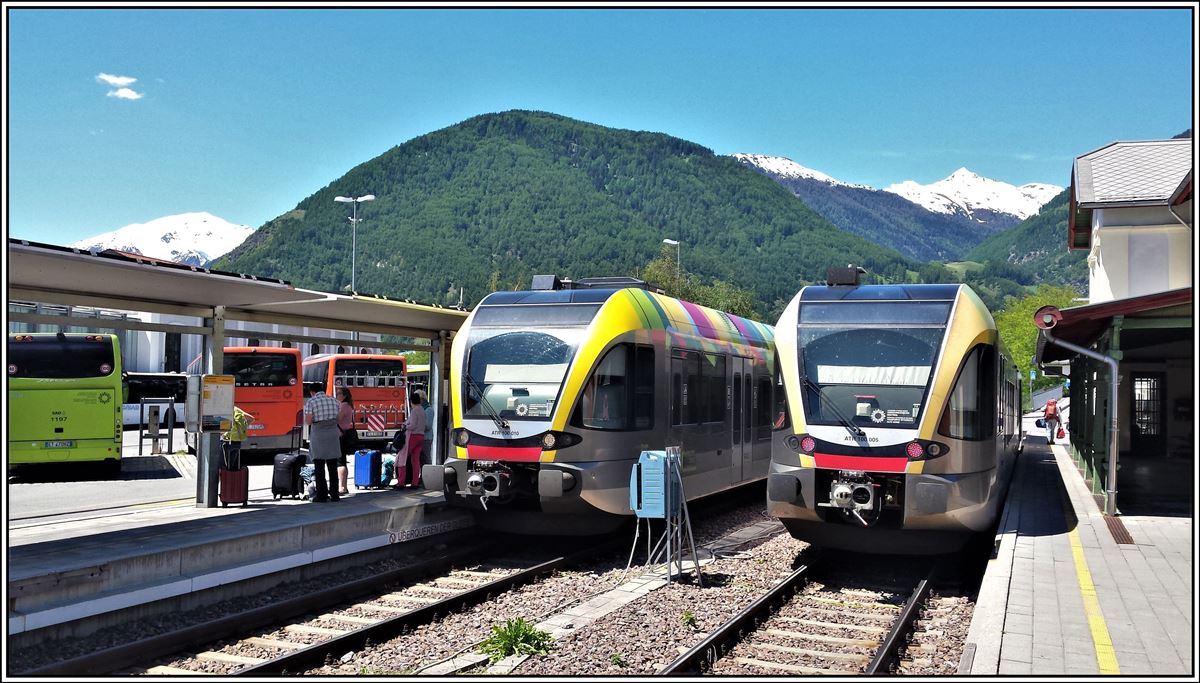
{"x":516,"y":637}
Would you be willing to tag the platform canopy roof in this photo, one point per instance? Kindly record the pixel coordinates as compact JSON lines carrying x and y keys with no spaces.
{"x":49,"y":273}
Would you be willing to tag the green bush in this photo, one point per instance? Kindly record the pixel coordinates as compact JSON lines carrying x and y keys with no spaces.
{"x":516,"y":637}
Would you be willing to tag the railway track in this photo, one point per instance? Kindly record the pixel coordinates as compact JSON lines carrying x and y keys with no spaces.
{"x":802,"y":627}
{"x":327,"y":632}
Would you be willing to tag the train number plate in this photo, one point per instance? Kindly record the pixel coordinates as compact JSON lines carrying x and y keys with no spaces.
{"x":60,"y":444}
{"x":372,"y":433}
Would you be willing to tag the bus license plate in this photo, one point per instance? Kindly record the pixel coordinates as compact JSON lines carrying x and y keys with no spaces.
{"x":60,"y":444}
{"x":372,"y":433}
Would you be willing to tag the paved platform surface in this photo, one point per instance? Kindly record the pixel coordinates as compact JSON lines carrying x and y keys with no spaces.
{"x":86,"y":560}
{"x":1063,"y":597}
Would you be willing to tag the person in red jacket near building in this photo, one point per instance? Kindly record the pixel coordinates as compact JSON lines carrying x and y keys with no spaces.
{"x":1050,"y":416}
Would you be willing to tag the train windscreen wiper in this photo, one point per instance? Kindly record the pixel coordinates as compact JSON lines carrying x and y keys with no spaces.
{"x":854,"y":429}
{"x":487,"y":407}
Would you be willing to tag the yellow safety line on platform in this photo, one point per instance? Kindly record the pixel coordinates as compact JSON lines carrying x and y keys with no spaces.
{"x":1106,"y":656}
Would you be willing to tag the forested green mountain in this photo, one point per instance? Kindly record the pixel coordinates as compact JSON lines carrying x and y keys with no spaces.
{"x":496,"y":199}
{"x":1037,"y":248}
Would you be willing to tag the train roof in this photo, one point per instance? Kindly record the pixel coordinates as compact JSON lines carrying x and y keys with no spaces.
{"x":880,"y":293}
{"x":653,"y":310}
{"x":552,"y":296}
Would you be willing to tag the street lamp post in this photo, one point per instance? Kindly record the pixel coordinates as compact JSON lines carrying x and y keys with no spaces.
{"x":354,"y":219}
{"x":678,"y":270}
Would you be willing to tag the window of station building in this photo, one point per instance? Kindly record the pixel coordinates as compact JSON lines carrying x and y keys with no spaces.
{"x":314,"y":349}
{"x":253,"y":342}
{"x":620,"y":393}
{"x":970,"y":412}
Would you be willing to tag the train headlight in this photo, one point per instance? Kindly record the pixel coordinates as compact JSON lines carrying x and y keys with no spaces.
{"x":935,"y":449}
{"x":914,"y":451}
{"x":808,"y":445}
{"x":461,"y":437}
{"x":558,"y":440}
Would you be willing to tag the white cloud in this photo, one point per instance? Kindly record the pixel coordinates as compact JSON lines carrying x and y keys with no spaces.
{"x":125,"y":94}
{"x":118,"y":81}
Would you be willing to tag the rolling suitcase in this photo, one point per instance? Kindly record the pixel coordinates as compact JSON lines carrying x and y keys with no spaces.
{"x":368,"y":467}
{"x":285,"y":476}
{"x":234,"y":486}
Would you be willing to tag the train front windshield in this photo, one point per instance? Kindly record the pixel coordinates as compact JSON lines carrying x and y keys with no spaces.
{"x":517,"y":358}
{"x":868,"y":364}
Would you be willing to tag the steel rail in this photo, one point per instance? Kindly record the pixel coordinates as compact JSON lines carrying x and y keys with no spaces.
{"x":134,"y":653}
{"x":888,"y":653}
{"x":315,"y":655}
{"x":701,"y":658}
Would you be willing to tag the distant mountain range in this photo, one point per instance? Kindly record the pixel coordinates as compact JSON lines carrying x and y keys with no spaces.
{"x":937,"y":222}
{"x":496,"y":199}
{"x":192,"y":238}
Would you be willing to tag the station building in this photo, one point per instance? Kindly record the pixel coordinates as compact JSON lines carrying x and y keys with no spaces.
{"x":1132,"y":210}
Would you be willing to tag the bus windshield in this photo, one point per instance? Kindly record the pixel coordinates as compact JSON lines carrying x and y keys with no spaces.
{"x":868,"y":363}
{"x":368,"y":372}
{"x":518,"y":373}
{"x":51,"y":358}
{"x":261,"y":369}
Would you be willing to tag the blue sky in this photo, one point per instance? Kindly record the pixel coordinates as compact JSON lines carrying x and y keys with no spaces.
{"x":244,"y":113}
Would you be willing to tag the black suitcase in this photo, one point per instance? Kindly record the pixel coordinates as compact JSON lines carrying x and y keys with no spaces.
{"x":285,"y":476}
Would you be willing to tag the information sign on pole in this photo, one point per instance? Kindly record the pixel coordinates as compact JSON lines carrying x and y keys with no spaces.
{"x":216,"y":403}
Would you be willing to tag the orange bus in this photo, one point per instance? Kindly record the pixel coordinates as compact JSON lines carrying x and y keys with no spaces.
{"x":378,"y":386}
{"x":267,"y":385}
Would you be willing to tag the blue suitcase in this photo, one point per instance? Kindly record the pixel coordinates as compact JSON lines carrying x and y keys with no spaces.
{"x":368,"y":467}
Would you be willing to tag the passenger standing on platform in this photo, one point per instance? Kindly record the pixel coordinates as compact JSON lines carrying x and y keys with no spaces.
{"x":231,"y":441}
{"x":415,"y":427}
{"x":1050,"y":415}
{"x":349,"y":435}
{"x":321,"y":411}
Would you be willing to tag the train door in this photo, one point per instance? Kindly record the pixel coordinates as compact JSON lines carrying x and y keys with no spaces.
{"x":742,"y":446}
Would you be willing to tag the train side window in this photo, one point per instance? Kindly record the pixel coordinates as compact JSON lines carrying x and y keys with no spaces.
{"x":605,"y":399}
{"x":643,"y":387}
{"x":970,"y":412}
{"x":737,"y":407}
{"x":782,"y":419}
{"x":748,"y":420}
{"x":619,"y":395}
{"x":693,"y":396}
{"x":763,"y":408}
{"x":713,"y":376}
{"x":677,"y":396}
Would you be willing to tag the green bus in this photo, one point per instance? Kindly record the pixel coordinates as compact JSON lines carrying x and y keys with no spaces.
{"x":64,"y":399}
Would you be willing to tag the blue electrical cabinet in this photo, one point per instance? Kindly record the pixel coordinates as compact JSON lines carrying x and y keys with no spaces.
{"x":648,"y":485}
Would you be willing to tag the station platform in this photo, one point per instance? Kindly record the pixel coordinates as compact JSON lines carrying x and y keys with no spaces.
{"x":1073,"y":592}
{"x":75,"y":573}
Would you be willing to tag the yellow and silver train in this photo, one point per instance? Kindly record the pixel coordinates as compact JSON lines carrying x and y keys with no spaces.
{"x":902,"y":421}
{"x":555,"y":392}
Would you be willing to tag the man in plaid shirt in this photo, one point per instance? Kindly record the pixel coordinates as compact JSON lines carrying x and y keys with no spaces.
{"x":324,"y":442}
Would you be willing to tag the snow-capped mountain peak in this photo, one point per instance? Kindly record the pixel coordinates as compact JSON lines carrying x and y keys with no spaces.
{"x":786,"y":168}
{"x":966,"y":192}
{"x":192,"y":238}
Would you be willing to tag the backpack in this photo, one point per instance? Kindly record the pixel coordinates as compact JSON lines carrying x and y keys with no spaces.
{"x":1052,"y":410}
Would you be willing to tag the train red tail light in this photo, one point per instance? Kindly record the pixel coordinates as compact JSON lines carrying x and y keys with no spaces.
{"x":808,"y":445}
{"x":914,"y":451}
